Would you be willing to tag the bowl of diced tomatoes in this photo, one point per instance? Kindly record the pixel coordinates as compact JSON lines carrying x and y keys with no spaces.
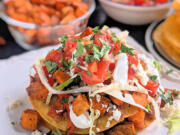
{"x":39,"y":23}
{"x":136,"y":12}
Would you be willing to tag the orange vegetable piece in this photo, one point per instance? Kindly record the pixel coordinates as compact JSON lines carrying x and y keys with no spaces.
{"x":140,"y":98}
{"x":93,"y":66}
{"x":80,"y":104}
{"x":176,"y":4}
{"x":138,"y":119}
{"x":68,"y":18}
{"x":60,"y":76}
{"x":29,"y":119}
{"x":86,"y":32}
{"x":80,"y":12}
{"x":116,"y":101}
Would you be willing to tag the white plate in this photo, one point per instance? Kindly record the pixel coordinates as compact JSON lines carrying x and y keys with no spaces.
{"x":158,"y":52}
{"x":14,"y":79}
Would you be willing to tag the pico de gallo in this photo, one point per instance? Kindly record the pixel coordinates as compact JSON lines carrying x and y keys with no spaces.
{"x":141,"y":2}
{"x":96,"y":74}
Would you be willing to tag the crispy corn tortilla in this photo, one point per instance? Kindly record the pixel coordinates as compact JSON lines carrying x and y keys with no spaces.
{"x":126,"y":110}
{"x":167,"y":35}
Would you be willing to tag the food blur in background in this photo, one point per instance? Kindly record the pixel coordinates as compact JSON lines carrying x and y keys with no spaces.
{"x":141,"y":2}
{"x":167,"y":35}
{"x":50,"y":18}
{"x":136,"y":12}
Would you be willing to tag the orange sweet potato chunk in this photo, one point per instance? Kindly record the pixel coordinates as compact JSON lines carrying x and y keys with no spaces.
{"x":80,"y":104}
{"x":29,"y":119}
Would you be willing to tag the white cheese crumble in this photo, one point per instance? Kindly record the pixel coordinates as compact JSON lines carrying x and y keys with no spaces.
{"x":98,"y":129}
{"x":59,"y":111}
{"x":116,"y":115}
{"x":109,"y":120}
{"x":98,"y":98}
{"x":36,"y":132}
{"x":14,"y":104}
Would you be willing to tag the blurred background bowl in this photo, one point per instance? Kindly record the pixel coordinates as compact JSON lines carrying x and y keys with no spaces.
{"x":135,"y":15}
{"x":31,"y":36}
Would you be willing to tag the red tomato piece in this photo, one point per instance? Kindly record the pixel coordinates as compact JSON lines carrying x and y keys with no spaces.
{"x":139,"y":2}
{"x":93,"y":66}
{"x":103,"y":69}
{"x":112,"y":67}
{"x":117,"y":47}
{"x":133,"y":59}
{"x":97,"y":41}
{"x":160,"y":1}
{"x":63,"y":95}
{"x":55,"y":56}
{"x":152,"y":86}
{"x":45,"y":71}
{"x":51,"y":81}
{"x":131,"y":73}
{"x":69,"y":48}
{"x":90,"y":80}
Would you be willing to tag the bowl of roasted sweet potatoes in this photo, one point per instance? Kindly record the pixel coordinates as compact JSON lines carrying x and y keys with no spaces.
{"x":38,"y":23}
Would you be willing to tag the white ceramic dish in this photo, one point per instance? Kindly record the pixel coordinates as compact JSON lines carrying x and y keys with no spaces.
{"x":14,"y":80}
{"x":135,"y":15}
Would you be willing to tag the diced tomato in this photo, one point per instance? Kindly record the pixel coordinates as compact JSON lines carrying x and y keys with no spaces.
{"x":117,"y":47}
{"x":160,"y":1}
{"x":55,"y":56}
{"x":86,"y":32}
{"x":93,"y":66}
{"x":51,"y":81}
{"x":76,"y":69}
{"x":69,"y":48}
{"x":45,"y":71}
{"x":152,"y":86}
{"x":103,"y":69}
{"x":112,"y":66}
{"x":97,"y":41}
{"x":97,"y":77}
{"x":139,"y":2}
{"x":133,"y":59}
{"x":131,"y":73}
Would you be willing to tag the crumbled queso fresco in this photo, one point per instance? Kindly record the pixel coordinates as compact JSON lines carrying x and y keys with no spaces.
{"x":36,"y":132}
{"x":14,"y":104}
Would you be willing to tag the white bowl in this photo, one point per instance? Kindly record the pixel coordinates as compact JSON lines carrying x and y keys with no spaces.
{"x":135,"y":15}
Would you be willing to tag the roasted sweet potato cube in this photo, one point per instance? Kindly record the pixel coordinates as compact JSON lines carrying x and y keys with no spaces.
{"x":100,"y":105}
{"x":125,"y":129}
{"x":29,"y":119}
{"x":60,"y":76}
{"x":80,"y":104}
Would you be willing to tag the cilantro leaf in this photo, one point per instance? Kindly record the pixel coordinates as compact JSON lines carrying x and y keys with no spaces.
{"x":125,"y":49}
{"x":89,"y":58}
{"x":79,"y":50}
{"x":63,"y":40}
{"x":114,"y":37}
{"x":96,"y":30}
{"x":157,"y":65}
{"x":169,"y":71}
{"x":153,"y":77}
{"x":167,"y":96}
{"x":51,"y":66}
{"x":67,"y":65}
{"x":64,"y":100}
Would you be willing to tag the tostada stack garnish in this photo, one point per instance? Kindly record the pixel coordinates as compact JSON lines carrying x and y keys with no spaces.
{"x":96,"y":83}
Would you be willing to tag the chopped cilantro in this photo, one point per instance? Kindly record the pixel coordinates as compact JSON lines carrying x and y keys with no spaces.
{"x":169,"y":71}
{"x":79,"y":50}
{"x":125,"y":49}
{"x":66,"y":64}
{"x":157,"y":65}
{"x":65,"y":84}
{"x":76,"y":39}
{"x":105,"y":27}
{"x":63,"y":40}
{"x":89,"y":58}
{"x":92,"y":37}
{"x":89,"y":73}
{"x":167,"y":96}
{"x":96,"y":30}
{"x":90,"y":97}
{"x":153,"y":77}
{"x":64,"y":100}
{"x":51,"y":66}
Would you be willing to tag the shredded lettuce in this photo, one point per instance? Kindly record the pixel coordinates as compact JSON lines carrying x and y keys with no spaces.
{"x":174,"y":122}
